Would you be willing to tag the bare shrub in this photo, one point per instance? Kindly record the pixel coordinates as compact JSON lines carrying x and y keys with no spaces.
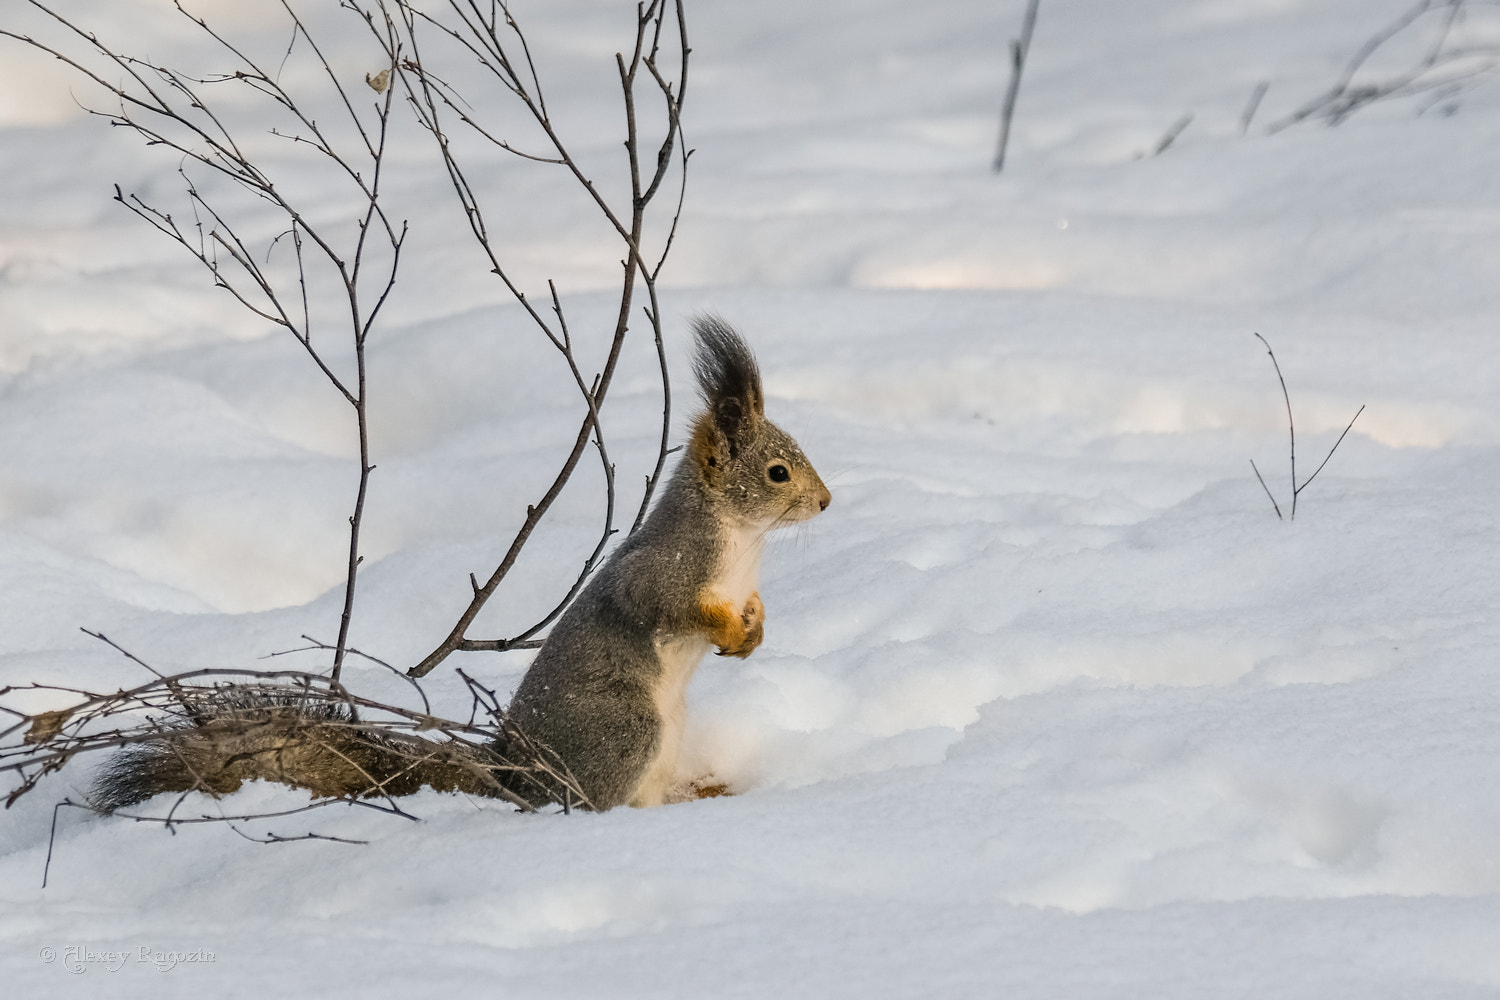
{"x":326,"y":284}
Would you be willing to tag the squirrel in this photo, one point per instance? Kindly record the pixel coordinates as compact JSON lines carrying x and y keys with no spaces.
{"x":606,"y":693}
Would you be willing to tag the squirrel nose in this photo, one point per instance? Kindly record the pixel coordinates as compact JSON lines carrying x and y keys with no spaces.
{"x":825,"y":499}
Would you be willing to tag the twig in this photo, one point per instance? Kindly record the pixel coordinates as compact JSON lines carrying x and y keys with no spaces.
{"x":276,"y":838}
{"x":1170,"y":136}
{"x":122,"y":651}
{"x":317,"y":644}
{"x":1343,"y":98}
{"x":1269,"y":496}
{"x":1292,"y":436}
{"x":1446,"y":92}
{"x":1019,"y":47}
{"x":52,"y":838}
{"x":1253,"y":105}
{"x":1335,"y":447}
{"x":1291,"y":427}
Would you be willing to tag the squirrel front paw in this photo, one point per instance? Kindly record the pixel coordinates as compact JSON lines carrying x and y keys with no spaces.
{"x":739,"y":634}
{"x":753,"y":617}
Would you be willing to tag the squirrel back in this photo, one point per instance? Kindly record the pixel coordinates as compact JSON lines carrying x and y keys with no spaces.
{"x":606,"y":692}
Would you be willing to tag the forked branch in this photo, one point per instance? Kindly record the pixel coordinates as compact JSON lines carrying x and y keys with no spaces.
{"x":1291,"y":428}
{"x":494,"y":37}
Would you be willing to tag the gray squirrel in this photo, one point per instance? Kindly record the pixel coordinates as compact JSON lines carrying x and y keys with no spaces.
{"x":607,"y":691}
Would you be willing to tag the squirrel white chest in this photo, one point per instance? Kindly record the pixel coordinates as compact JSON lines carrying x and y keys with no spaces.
{"x":739,"y":565}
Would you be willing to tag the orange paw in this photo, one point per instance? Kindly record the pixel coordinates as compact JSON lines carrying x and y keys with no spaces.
{"x":735,"y":632}
{"x":716,"y":790}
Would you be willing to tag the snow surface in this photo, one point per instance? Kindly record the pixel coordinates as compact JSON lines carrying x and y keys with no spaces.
{"x":1051,"y":704}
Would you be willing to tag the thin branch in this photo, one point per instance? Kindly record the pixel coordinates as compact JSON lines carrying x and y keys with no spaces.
{"x":350,"y":650}
{"x":1253,"y":105}
{"x":1019,"y":47}
{"x":122,"y":651}
{"x":1268,"y":491}
{"x":1291,"y":427}
{"x":276,"y":838}
{"x":1170,"y":136}
{"x":663,"y":448}
{"x":52,"y":838}
{"x":1335,"y":448}
{"x":1344,"y":98}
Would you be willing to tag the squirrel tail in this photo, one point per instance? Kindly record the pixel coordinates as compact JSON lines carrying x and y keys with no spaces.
{"x":242,"y":735}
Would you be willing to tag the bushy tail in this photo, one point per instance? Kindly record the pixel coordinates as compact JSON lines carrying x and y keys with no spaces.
{"x":245,"y":735}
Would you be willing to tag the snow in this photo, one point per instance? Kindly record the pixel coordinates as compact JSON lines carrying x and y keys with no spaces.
{"x":1051,"y":704}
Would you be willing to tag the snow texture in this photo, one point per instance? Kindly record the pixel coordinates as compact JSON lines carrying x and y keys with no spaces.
{"x":1051,"y":704}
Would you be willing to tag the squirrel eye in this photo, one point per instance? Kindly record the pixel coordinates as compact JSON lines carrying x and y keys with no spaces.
{"x":778,"y":474}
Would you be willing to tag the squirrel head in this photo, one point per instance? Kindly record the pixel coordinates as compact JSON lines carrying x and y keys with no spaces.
{"x":751,"y":468}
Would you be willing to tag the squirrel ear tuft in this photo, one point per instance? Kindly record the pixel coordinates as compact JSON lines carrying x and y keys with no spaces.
{"x":729,"y":380}
{"x":726,"y":368}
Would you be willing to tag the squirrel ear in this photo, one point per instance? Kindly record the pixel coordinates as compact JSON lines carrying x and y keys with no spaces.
{"x":730,"y":382}
{"x":732,"y":423}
